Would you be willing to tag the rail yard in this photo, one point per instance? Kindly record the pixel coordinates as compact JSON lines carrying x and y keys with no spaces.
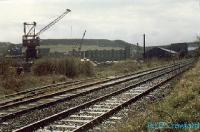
{"x":80,"y":106}
{"x":99,"y":66}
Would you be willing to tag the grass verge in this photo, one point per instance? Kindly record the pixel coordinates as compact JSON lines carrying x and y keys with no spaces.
{"x":48,"y":71}
{"x":181,"y":106}
{"x":128,"y":66}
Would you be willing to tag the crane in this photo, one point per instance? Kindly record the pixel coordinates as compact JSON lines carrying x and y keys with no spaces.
{"x":31,"y":39}
{"x":81,"y":42}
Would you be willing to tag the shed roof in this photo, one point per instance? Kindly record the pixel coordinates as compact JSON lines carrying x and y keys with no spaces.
{"x":170,"y":51}
{"x":192,"y":48}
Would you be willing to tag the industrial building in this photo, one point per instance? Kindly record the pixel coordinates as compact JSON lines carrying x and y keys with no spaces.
{"x":159,"y":52}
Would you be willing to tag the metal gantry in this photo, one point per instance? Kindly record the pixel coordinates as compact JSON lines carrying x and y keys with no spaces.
{"x":31,"y":39}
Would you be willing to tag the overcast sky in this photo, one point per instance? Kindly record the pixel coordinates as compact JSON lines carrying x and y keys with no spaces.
{"x":163,"y":21}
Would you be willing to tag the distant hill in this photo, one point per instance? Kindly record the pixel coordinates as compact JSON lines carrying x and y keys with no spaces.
{"x":4,"y":47}
{"x":97,"y":42}
{"x":64,"y":45}
{"x":5,"y":44}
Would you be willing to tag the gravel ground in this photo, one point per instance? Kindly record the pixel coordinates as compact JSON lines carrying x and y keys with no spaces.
{"x":139,"y":106}
{"x":40,"y":114}
{"x":108,"y":122}
{"x":46,"y":91}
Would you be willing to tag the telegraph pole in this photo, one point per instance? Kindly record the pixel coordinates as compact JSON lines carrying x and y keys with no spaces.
{"x":144,"y":56}
{"x":137,"y":53}
{"x":71,"y":31}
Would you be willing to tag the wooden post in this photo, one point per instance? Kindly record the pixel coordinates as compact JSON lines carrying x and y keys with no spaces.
{"x":144,"y":56}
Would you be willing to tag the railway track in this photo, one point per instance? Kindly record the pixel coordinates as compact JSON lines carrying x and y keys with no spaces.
{"x":152,"y":74}
{"x":87,"y":115}
{"x":41,"y":90}
{"x":18,"y":108}
{"x":19,"y":96}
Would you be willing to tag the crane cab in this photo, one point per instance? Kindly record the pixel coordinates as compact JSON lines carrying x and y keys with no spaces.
{"x":31,"y":40}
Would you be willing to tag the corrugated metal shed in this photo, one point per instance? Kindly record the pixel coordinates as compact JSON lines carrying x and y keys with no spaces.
{"x":192,"y":48}
{"x":158,"y":52}
{"x":167,"y":50}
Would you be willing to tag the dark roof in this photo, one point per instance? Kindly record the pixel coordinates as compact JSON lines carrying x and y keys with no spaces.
{"x":192,"y":48}
{"x":170,"y":51}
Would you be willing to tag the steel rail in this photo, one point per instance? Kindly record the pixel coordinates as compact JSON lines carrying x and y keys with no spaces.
{"x":70,"y":83}
{"x":67,"y":112}
{"x":62,"y":83}
{"x":29,"y":93}
{"x":20,"y":112}
{"x":38,"y":89}
{"x":104,"y":116}
{"x":56,"y":93}
{"x":76,"y":88}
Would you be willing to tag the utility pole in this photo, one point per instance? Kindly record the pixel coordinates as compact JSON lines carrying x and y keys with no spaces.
{"x":71,"y":32}
{"x":137,"y":53}
{"x":144,"y":56}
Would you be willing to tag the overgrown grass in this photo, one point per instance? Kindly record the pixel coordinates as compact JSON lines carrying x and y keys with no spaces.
{"x":11,"y":82}
{"x":181,"y":106}
{"x":69,"y":66}
{"x":128,"y":66}
{"x":44,"y":71}
{"x":27,"y":81}
{"x":8,"y":74}
{"x":5,"y":65}
{"x":49,"y":70}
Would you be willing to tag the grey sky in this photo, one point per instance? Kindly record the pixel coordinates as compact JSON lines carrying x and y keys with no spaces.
{"x":163,"y":21}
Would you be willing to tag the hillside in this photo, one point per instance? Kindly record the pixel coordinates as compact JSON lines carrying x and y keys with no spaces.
{"x":4,"y":47}
{"x":63,"y":45}
{"x":98,"y":42}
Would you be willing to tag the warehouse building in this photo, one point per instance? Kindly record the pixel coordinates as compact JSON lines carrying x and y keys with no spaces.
{"x":158,"y":52}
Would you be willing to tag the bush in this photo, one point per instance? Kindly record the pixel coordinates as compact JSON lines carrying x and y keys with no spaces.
{"x":10,"y":80}
{"x":12,"y":83}
{"x":69,"y":66}
{"x":72,"y":67}
{"x":87,"y":68}
{"x":43,"y":67}
{"x":5,"y":65}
